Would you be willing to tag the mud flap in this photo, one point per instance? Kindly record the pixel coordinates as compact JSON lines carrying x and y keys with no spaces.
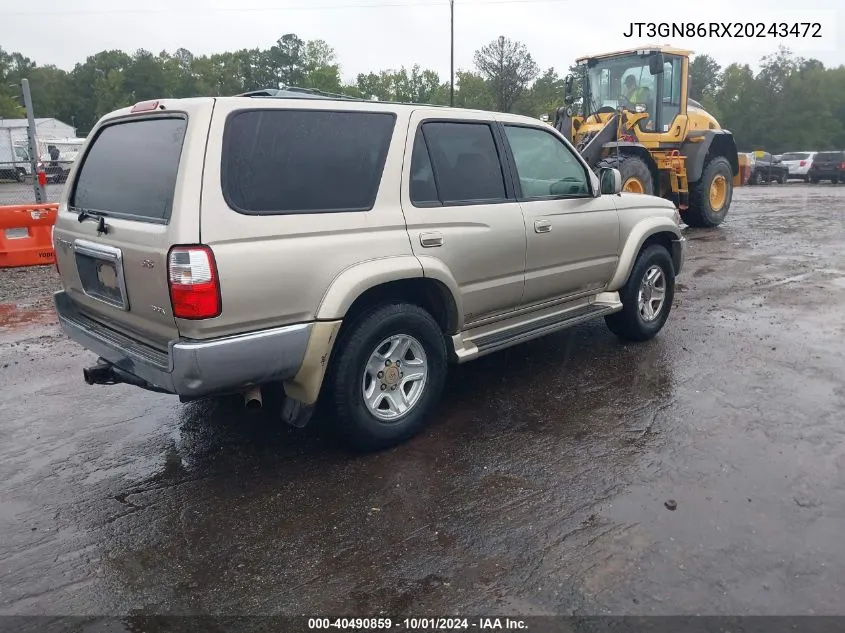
{"x":297,"y":414}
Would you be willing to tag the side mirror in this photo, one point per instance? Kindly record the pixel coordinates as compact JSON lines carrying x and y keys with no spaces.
{"x":610,"y":180}
{"x":655,"y":64}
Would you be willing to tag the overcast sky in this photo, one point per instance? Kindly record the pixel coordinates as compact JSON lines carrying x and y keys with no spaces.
{"x":379,"y":34}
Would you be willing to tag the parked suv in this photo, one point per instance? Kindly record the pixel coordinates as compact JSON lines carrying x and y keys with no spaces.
{"x":828,"y":166}
{"x":799,"y":164}
{"x":345,"y":249}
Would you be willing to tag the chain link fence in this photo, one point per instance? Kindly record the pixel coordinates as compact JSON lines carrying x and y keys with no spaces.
{"x":19,"y":172}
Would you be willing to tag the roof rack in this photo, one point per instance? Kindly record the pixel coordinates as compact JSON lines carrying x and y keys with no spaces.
{"x":295,"y":92}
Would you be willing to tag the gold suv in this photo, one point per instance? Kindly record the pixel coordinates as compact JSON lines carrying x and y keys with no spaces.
{"x":343,"y":250}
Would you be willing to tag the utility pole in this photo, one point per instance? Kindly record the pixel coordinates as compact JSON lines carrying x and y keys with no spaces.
{"x":40,"y":195}
{"x":452,"y":56}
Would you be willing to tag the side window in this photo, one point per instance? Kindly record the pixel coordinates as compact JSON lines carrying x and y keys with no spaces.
{"x":423,"y":188}
{"x":465,"y":162}
{"x":671,"y":91}
{"x":546,"y":167}
{"x":280,"y":161}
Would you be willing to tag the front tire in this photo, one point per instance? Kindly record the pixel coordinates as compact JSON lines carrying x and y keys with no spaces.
{"x":388,"y":376}
{"x":646,"y":297}
{"x":710,"y":197}
{"x":636,"y":176}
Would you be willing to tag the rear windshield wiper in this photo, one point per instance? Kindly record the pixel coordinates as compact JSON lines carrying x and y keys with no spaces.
{"x":85,"y":214}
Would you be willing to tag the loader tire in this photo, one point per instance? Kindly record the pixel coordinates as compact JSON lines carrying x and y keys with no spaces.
{"x":636,"y":176}
{"x":710,"y":197}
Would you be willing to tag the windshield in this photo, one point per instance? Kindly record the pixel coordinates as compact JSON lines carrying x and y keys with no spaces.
{"x":796,"y":156}
{"x":623,"y":80}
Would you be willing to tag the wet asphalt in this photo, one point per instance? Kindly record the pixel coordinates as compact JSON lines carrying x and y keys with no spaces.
{"x":544,"y":485}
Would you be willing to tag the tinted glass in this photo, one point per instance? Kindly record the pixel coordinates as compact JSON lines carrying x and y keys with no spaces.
{"x":290,"y":161}
{"x":829,"y":156}
{"x":795,"y":156}
{"x":423,"y":188}
{"x":466,"y":161}
{"x":546,"y":167}
{"x":131,"y":169}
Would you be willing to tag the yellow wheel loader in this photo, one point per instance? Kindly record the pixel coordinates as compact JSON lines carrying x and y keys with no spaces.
{"x":635,"y":116}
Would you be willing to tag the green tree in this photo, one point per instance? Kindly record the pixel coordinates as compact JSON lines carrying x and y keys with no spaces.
{"x":544,"y":97}
{"x":473,"y":91}
{"x":287,"y":60}
{"x":704,"y":75}
{"x":321,"y":68}
{"x":508,"y":67}
{"x":791,"y":103}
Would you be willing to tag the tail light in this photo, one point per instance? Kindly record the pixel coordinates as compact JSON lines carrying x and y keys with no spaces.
{"x":802,"y":163}
{"x":842,"y":166}
{"x":193,"y":281}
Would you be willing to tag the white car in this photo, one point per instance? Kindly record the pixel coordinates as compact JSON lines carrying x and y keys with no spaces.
{"x":799,"y":164}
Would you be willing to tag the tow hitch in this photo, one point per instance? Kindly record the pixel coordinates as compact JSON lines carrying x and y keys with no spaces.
{"x":105,"y":373}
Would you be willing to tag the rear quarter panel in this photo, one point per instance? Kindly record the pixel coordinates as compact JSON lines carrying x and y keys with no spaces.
{"x":276,"y":270}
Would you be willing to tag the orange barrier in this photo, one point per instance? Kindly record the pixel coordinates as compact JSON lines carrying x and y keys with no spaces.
{"x":26,"y":235}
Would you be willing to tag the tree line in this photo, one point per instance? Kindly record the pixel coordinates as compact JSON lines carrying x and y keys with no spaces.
{"x":790,"y":103}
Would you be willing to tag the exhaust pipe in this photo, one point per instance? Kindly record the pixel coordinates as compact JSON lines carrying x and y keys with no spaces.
{"x":252,"y":399}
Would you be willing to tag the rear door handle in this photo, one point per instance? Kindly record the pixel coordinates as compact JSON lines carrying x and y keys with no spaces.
{"x":542,"y":226}
{"x":431,"y":240}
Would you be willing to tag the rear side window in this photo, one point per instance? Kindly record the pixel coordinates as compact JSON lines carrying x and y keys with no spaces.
{"x":465,"y":161}
{"x":130,"y":169}
{"x":311,"y":161}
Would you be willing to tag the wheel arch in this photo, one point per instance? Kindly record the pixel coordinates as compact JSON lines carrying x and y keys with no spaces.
{"x":359,"y":287}
{"x":648,"y":232}
{"x":699,"y":152}
{"x":423,"y":281}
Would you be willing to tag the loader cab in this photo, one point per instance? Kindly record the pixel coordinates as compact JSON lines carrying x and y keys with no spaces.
{"x":648,"y":81}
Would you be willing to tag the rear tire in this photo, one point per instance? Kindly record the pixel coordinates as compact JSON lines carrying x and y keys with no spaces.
{"x":710,"y":197}
{"x":644,"y":313}
{"x":634,"y":171}
{"x":354,"y":377}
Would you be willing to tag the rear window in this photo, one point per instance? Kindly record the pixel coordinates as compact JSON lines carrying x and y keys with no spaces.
{"x":822,"y":156}
{"x":795,"y":156}
{"x":312,"y":161}
{"x":130,"y":169}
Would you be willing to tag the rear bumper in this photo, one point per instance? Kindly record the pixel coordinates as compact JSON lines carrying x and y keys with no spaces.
{"x":827,"y":174}
{"x":795,"y":171}
{"x":191,"y":368}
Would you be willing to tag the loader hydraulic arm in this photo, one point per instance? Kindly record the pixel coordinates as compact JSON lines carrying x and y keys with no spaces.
{"x":592,"y":149}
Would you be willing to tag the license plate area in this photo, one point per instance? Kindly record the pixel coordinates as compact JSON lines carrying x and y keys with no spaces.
{"x":17,"y":234}
{"x":100,"y":270}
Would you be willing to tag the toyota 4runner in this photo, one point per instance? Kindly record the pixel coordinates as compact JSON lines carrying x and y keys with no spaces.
{"x":345,"y":250}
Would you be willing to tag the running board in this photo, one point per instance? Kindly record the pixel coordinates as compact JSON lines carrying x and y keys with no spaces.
{"x":486,"y":340}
